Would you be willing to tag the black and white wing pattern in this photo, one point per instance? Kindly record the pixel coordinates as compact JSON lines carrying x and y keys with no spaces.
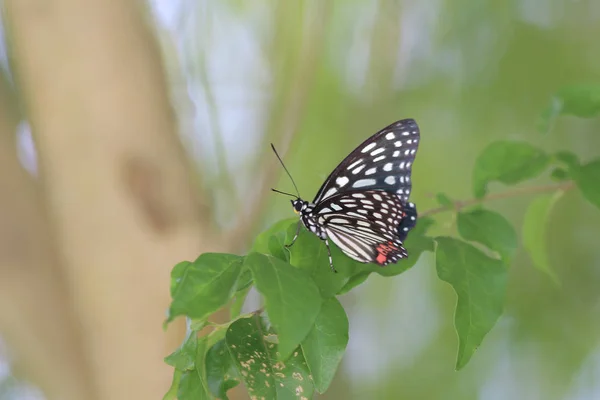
{"x":367,"y":225}
{"x":382,"y":162}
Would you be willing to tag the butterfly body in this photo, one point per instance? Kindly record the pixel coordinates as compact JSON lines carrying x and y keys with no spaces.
{"x":363,"y":205}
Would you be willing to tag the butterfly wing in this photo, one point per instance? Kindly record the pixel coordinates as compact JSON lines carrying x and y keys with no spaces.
{"x":383,"y":162}
{"x":368,"y":226}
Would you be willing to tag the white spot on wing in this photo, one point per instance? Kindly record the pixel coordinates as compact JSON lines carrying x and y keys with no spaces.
{"x":354,"y":164}
{"x":335,"y":207}
{"x":396,"y":153}
{"x":390,"y":180}
{"x":358,"y":169}
{"x":363,"y":182}
{"x":338,"y":220}
{"x":368,"y":147}
{"x":362,"y":223}
{"x":342,"y":180}
{"x":370,"y":171}
{"x":390,"y":136}
{"x":387,"y":167}
{"x":330,"y":192}
{"x":358,"y":195}
{"x":378,"y":151}
{"x":379,"y":158}
{"x":377,"y":197}
{"x":405,"y":133}
{"x":398,"y":143}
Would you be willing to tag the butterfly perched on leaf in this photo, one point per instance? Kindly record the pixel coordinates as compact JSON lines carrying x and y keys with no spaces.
{"x":363,"y":206}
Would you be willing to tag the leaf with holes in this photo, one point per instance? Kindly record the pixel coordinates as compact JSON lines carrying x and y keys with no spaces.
{"x":480,"y":285}
{"x":200,"y":288}
{"x":254,"y":351}
{"x":534,"y":231}
{"x":509,"y":163}
{"x":326,"y":343}
{"x":292,"y":298}
{"x":577,"y":100}
{"x":221,"y":373}
{"x":490,"y":229}
{"x":587,"y":178}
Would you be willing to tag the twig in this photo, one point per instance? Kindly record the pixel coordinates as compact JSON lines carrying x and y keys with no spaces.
{"x":460,"y":204}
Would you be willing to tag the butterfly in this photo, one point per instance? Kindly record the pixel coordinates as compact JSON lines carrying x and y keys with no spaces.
{"x":363,"y":205}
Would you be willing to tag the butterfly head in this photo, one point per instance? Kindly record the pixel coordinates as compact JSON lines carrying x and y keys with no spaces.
{"x":299,"y":205}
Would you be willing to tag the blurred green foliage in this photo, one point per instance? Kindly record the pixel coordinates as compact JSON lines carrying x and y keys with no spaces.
{"x":470,"y":75}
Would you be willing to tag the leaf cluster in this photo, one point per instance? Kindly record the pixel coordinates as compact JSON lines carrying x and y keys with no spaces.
{"x":292,"y":346}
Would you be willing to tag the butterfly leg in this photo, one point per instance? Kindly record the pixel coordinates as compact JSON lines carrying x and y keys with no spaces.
{"x":329,"y":254}
{"x":296,"y":235}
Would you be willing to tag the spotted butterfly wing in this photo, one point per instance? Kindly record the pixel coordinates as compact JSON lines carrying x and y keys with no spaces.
{"x":382,"y":162}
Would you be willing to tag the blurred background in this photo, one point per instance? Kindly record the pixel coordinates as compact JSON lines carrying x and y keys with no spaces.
{"x":134,"y":135}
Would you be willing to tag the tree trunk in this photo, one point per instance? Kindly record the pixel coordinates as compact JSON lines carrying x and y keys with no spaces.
{"x":116,"y":186}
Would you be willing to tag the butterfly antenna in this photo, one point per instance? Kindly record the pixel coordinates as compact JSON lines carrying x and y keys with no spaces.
{"x":286,"y":170}
{"x":280,"y":192}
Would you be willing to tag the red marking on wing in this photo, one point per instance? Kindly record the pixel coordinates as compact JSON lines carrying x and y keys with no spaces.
{"x":384,"y":249}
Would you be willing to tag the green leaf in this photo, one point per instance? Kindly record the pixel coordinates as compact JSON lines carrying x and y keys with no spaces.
{"x":176,"y":274}
{"x":577,"y":100}
{"x":480,"y":285}
{"x":238,"y":302}
{"x":568,"y":158}
{"x":204,"y":286}
{"x":172,"y":393}
{"x":192,"y":385}
{"x":309,"y":254}
{"x":221,"y":373}
{"x":254,"y":352}
{"x":326,"y":343}
{"x":587,"y":178}
{"x":272,"y":241}
{"x":534,"y":231}
{"x":559,"y":175}
{"x":244,"y":281}
{"x":292,"y":299}
{"x":184,"y":358}
{"x":354,"y":281}
{"x":416,"y":244}
{"x":444,"y":200}
{"x":509,"y":163}
{"x":490,"y":229}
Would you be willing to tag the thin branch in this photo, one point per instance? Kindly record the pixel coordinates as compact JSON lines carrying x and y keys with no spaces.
{"x":460,"y":204}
